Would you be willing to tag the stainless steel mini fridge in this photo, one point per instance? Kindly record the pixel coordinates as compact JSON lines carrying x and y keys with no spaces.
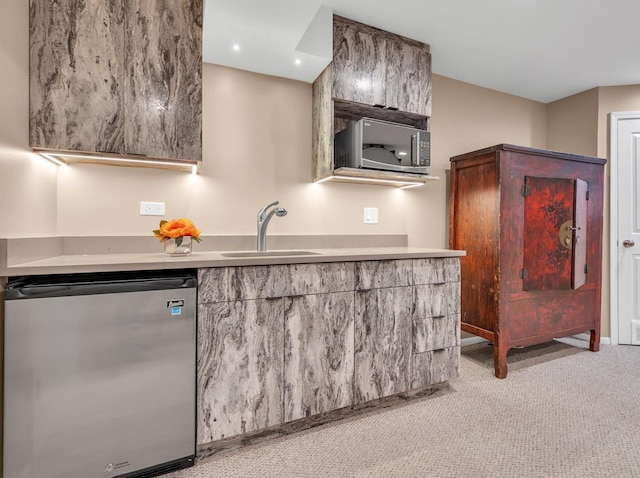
{"x":99,"y":375}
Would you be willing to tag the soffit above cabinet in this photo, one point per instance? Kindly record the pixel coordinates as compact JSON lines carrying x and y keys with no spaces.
{"x":286,"y":38}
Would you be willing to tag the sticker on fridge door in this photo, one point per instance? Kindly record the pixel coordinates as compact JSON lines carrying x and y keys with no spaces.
{"x":176,"y":306}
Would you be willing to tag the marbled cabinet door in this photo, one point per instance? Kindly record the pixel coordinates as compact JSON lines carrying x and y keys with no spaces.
{"x":76,"y":73}
{"x":163,"y":84}
{"x":318,"y":359}
{"x":240,"y":367}
{"x":121,"y":76}
{"x":359,"y":64}
{"x":383,"y":338}
{"x":408,"y":78}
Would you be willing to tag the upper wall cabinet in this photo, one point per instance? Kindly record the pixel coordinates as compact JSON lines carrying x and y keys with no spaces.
{"x":121,"y":77}
{"x":378,"y":68}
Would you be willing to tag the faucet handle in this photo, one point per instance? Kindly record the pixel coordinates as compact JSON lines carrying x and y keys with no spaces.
{"x":264,"y":209}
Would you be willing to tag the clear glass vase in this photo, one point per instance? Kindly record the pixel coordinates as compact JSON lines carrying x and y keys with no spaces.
{"x":180,"y":246}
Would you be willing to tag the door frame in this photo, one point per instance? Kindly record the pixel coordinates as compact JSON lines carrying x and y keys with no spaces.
{"x":614,"y":118}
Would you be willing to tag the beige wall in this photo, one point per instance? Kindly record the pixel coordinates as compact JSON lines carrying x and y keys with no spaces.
{"x":466,"y":118}
{"x":27,"y":183}
{"x":572,"y":124}
{"x":614,"y":99}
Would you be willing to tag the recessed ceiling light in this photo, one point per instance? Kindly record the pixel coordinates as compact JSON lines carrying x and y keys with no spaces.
{"x":298,"y":61}
{"x":236,"y":47}
{"x":402,"y":153}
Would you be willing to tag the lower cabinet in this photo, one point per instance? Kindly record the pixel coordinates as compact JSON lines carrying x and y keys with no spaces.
{"x":318,"y":354}
{"x":382,"y":342}
{"x":285,"y":342}
{"x":240,"y":366}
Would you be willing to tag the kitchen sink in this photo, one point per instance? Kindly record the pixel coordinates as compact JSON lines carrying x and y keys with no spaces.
{"x":269,"y":253}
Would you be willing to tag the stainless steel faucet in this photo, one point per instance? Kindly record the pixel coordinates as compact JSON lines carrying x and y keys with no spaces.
{"x":263,"y":222}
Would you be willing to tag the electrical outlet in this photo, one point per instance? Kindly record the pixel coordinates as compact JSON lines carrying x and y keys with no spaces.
{"x":151,"y":208}
{"x":371,"y":215}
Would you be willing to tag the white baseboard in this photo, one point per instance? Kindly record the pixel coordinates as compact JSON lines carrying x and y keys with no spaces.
{"x":471,"y":341}
{"x":586,"y":337}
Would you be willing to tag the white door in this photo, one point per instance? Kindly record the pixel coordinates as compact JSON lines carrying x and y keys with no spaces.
{"x":625,"y":227}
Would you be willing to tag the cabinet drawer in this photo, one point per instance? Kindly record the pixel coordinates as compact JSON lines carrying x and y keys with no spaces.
{"x":381,"y":274}
{"x":433,"y":333}
{"x":306,"y":279}
{"x":224,"y":284}
{"x":436,"y":300}
{"x":436,"y":271}
{"x":436,"y":366}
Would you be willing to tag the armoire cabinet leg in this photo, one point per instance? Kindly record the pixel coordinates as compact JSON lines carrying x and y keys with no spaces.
{"x":594,"y":341}
{"x":500,"y":360}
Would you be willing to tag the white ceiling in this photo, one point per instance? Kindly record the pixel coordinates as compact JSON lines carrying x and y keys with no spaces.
{"x":538,"y":49}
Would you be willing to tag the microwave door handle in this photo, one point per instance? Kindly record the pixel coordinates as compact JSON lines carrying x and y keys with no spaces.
{"x":414,"y":150}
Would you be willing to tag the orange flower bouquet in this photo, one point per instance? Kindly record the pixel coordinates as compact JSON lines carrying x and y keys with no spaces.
{"x":177,"y":235}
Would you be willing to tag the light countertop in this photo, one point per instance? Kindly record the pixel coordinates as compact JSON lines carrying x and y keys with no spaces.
{"x":79,"y":263}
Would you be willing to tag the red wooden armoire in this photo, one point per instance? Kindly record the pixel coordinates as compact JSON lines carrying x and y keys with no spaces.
{"x":531,"y":223}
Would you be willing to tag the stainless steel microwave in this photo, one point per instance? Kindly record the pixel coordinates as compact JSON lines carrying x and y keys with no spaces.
{"x":382,"y":145}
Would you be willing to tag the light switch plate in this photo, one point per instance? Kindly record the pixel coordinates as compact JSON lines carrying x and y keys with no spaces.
{"x":151,"y":208}
{"x":371,"y":215}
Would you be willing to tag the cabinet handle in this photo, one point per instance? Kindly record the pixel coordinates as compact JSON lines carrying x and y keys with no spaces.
{"x":363,"y":290}
{"x":299,"y":296}
{"x":439,"y":351}
{"x":120,"y":153}
{"x":272,"y":298}
{"x":439,"y":316}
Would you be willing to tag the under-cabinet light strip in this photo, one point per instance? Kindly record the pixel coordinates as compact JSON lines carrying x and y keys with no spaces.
{"x":325,"y":179}
{"x":411,"y":185}
{"x":52,"y":157}
{"x":407,"y":184}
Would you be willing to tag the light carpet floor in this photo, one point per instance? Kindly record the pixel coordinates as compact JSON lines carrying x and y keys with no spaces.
{"x":562,"y":411}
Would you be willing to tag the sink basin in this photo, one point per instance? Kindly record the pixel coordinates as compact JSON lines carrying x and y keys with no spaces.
{"x":269,"y":253}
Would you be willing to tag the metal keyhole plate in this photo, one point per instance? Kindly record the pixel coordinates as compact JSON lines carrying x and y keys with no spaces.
{"x":566,"y":234}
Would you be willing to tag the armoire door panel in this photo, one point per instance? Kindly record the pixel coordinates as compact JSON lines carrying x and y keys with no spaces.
{"x":548,"y":233}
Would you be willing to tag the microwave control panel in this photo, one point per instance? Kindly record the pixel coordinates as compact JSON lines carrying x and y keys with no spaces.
{"x":424,"y":149}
